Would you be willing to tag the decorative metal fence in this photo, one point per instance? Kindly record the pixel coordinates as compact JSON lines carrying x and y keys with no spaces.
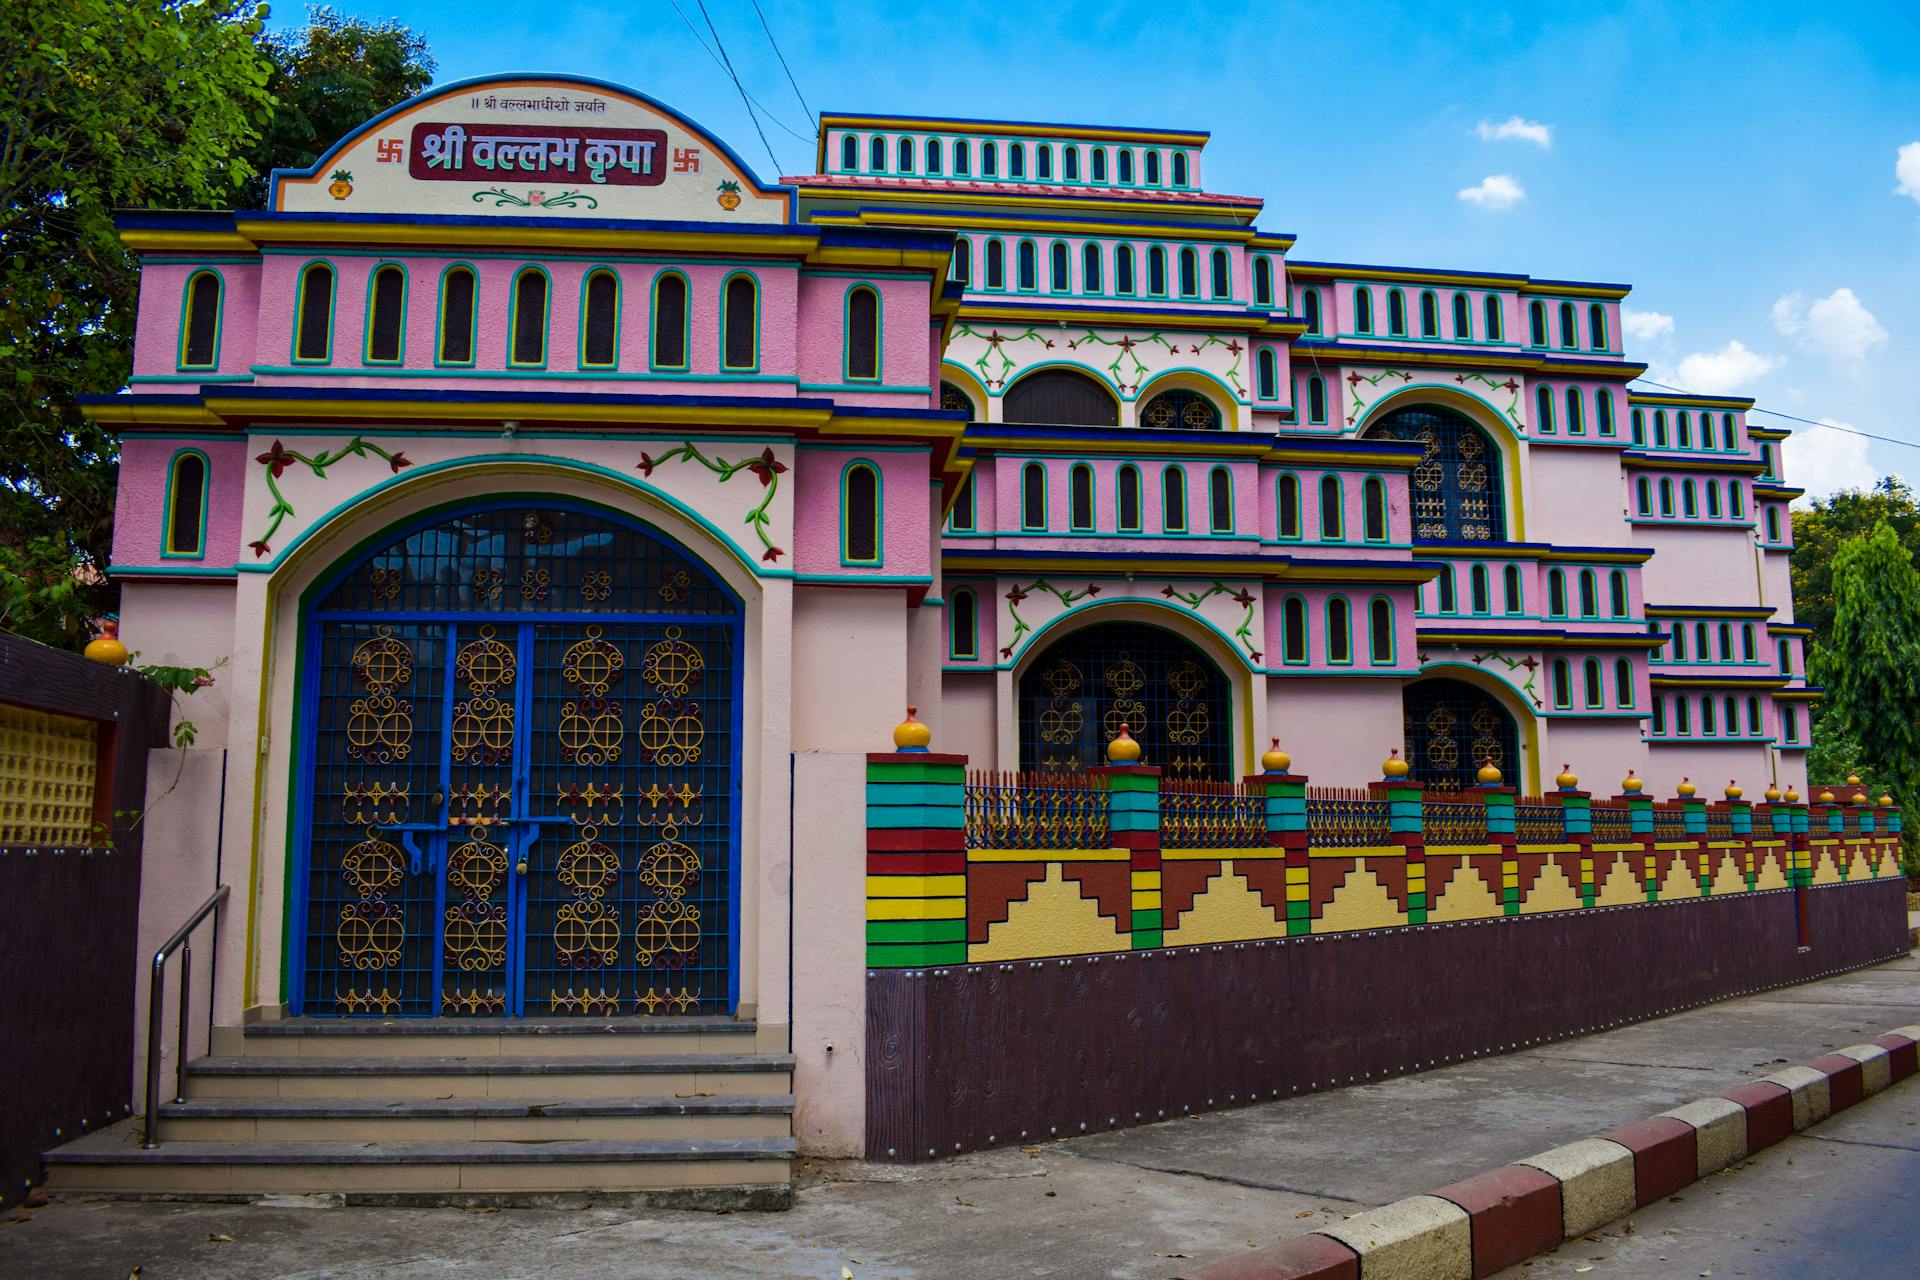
{"x":1345,"y":818}
{"x":1008,"y":810}
{"x":1719,"y":824}
{"x":1453,"y":817}
{"x":1669,"y":824}
{"x":1212,"y":815}
{"x":1612,"y":824}
{"x":1538,"y":821}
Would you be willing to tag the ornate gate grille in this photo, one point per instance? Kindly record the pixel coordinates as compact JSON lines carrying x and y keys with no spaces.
{"x":1456,"y":491}
{"x":523,"y":779}
{"x":1452,"y":728}
{"x":1074,"y":698}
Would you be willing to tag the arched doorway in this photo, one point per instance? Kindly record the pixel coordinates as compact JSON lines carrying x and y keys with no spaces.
{"x":1457,"y":492}
{"x":518,"y":780}
{"x":1061,"y":398}
{"x":1452,"y":728}
{"x":1170,"y":695}
{"x":1180,"y":410}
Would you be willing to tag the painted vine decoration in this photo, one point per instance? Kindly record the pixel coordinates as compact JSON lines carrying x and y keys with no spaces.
{"x":1127,"y":369}
{"x":536,"y":199}
{"x":1240,"y":596}
{"x":1018,"y":594}
{"x":278,"y":458}
{"x":1531,"y":663}
{"x":1357,"y":404}
{"x":767,"y":467}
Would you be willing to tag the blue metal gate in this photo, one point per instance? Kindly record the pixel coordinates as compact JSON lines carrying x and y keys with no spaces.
{"x":520,"y":783}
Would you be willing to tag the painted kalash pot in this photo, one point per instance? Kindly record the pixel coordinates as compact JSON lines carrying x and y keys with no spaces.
{"x":574,"y":511}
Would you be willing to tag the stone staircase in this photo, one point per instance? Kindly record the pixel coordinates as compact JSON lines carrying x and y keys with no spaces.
{"x":687,"y":1112}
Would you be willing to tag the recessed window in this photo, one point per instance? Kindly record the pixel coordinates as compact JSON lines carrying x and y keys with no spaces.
{"x":1477,"y":589}
{"x":186,"y":533}
{"x":1267,"y":376}
{"x":1589,"y":602}
{"x":1380,"y":631}
{"x":1316,"y":400}
{"x":1070,"y":163}
{"x":1310,"y":311}
{"x":1689,"y":499}
{"x":962,"y":269}
{"x":1429,"y":316}
{"x":1569,"y":336}
{"x":1659,"y":428}
{"x":877,"y":154}
{"x":1396,"y":314}
{"x":1443,"y":590}
{"x":1639,"y":427}
{"x":1099,"y":163}
{"x":1029,"y":257}
{"x":1033,"y":497}
{"x":905,"y":152}
{"x":989,"y":160}
{"x":1293,"y":630}
{"x":1543,"y":410}
{"x":1462,"y":318}
{"x":863,"y":334}
{"x":1123,"y":269}
{"x":529,"y":323}
{"x":1660,"y":716}
{"x":1666,"y":497}
{"x":740,"y":324}
{"x":1220,"y":500}
{"x":1289,"y":506}
{"x":1363,"y":311}
{"x":1179,"y":168}
{"x":1622,"y":682}
{"x":600,"y":336}
{"x":1591,"y":685}
{"x":1683,"y":427}
{"x":1016,"y":161}
{"x":1173,"y":500}
{"x":1090,"y":267}
{"x":1374,"y":508}
{"x":1157,"y":271}
{"x":1712,"y":489}
{"x":963,"y":624}
{"x":313,"y":335}
{"x":933,"y":155}
{"x":456,"y":316}
{"x":1060,"y":263}
{"x":996,"y":265}
{"x":1124,"y":162}
{"x":1222,"y":275}
{"x":962,"y":158}
{"x":1617,"y":593}
{"x":849,"y":152}
{"x":1557,"y":593}
{"x":670,"y":321}
{"x":1080,"y":498}
{"x":1127,"y":499}
{"x":1773,"y":524}
{"x":1189,"y":272}
{"x":1576,"y":417}
{"x":1332,"y":513}
{"x":1263,"y":281}
{"x":1603,"y":411}
{"x":1153,"y":168}
{"x":860,"y":514}
{"x":1493,"y":318}
{"x":1562,"y":685}
{"x":965,"y":515}
{"x":1043,"y":163}
{"x":200,"y":328}
{"x":1512,"y":597}
{"x":1790,"y":724}
{"x":1537,"y":324}
{"x":1597,"y":327}
{"x":1339,"y":630}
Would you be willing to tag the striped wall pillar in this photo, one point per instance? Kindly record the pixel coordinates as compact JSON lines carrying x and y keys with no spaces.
{"x":1740,"y":822}
{"x":1287,"y":829}
{"x":1827,"y":821}
{"x":1576,"y":820}
{"x":1406,"y":829}
{"x":1640,"y":826}
{"x":1500,"y":834}
{"x":916,"y":859}
{"x":1800,"y":864}
{"x":1133,"y":824}
{"x":1693,"y":813}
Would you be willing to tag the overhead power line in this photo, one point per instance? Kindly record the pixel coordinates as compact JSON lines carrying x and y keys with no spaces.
{"x":765,"y":110}
{"x":783,"y":64}
{"x":1794,"y":417}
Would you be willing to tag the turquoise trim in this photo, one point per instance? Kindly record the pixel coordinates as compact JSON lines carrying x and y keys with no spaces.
{"x":366,"y":337}
{"x":440,"y":321}
{"x":513,"y":318}
{"x":622,"y":479}
{"x":604,"y":375}
{"x":300,"y":309}
{"x":726,"y":287}
{"x":186,"y":318}
{"x":879,"y":514}
{"x":580,"y":332}
{"x":191,"y":379}
{"x":167,"y":531}
{"x":175,"y":571}
{"x":871,"y":579}
{"x":858,"y":386}
{"x":879,"y":335}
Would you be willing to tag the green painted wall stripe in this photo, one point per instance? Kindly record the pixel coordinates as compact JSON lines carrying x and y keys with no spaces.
{"x":895,"y":931}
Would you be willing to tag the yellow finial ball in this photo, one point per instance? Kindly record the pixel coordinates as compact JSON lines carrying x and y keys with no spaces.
{"x":1733,"y":790}
{"x":1123,"y":749}
{"x":106,"y":647}
{"x":1567,"y":779}
{"x":1489,"y":774}
{"x":1859,"y":797}
{"x":1886,"y":801}
{"x":1793,"y":797}
{"x":1773,"y":794}
{"x":1632,"y":784}
{"x":1853,"y":779}
{"x":1686,"y":789}
{"x":1274,"y":760}
{"x":1825,"y":797}
{"x":910,"y":734}
{"x":1393,"y":766}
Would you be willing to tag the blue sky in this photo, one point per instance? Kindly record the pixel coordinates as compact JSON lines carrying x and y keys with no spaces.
{"x":1740,"y":164}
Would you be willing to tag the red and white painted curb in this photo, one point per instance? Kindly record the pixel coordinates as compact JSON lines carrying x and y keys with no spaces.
{"x":1485,"y":1224}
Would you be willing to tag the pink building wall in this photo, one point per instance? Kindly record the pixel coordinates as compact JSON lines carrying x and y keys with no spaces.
{"x":140,"y":521}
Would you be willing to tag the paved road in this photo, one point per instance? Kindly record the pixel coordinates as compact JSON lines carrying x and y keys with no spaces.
{"x":1836,"y":1202}
{"x":1130,"y":1204}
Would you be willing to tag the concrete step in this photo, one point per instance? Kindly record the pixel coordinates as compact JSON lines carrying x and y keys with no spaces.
{"x":476,"y":1037}
{"x":748,"y":1170}
{"x":493,"y":1076}
{"x":476,"y":1119}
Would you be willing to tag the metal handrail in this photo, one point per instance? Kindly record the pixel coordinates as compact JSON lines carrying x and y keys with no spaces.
{"x":156,"y":1007}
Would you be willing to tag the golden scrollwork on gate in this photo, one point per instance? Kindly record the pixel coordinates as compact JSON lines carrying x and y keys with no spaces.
{"x":384,"y":583}
{"x":589,"y":866}
{"x":592,"y":665}
{"x":370,"y":934}
{"x":590,"y":731}
{"x":1124,"y":680}
{"x":596,"y":586}
{"x":1443,"y":751}
{"x":676,"y":587}
{"x":364,"y":804}
{"x":476,"y":867}
{"x":486,"y":663}
{"x":671,"y":732}
{"x":1062,"y":719}
{"x":1187,"y":720}
{"x":670,"y":867}
{"x":586,"y":933}
{"x":671,"y":665}
{"x":488,"y":585}
{"x":476,"y":936}
{"x":534,"y":584}
{"x":1486,"y":737}
{"x":668,"y":934}
{"x":483,"y":731}
{"x":383,"y":662}
{"x":372,"y":866}
{"x":379,"y":728}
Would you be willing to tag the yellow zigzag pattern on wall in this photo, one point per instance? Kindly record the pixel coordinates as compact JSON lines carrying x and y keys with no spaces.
{"x":1466,"y":897}
{"x":1361,"y":902}
{"x":1551,"y":892}
{"x":1228,"y":910}
{"x":1053,"y":920}
{"x":1771,"y":873}
{"x":1727,"y":878}
{"x":1622,"y":886}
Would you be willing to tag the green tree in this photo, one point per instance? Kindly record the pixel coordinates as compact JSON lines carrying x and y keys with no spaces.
{"x":103,"y":104}
{"x":329,"y":78}
{"x":1871,"y":666}
{"x":1819,"y":530}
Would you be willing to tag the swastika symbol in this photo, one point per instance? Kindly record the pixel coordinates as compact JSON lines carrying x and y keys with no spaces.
{"x":686,"y":159}
{"x":391,"y":151}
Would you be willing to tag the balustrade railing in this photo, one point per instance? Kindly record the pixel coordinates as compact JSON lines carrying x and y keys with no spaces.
{"x":1612,"y":824}
{"x":1669,"y":824}
{"x":1345,"y":818}
{"x":1538,"y":821}
{"x":1008,"y":810}
{"x":1453,"y":817}
{"x":1719,"y":824}
{"x":1212,"y":815}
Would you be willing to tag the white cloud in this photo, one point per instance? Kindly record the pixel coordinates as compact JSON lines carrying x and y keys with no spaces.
{"x":1496,"y":191}
{"x":1646,"y":326}
{"x":1823,"y":462}
{"x":1906,"y":167}
{"x":1722,"y":372}
{"x":1836,"y":326}
{"x":1515,"y":129}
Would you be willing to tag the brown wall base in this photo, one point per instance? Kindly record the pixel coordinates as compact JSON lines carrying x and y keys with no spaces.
{"x":985,"y":1055}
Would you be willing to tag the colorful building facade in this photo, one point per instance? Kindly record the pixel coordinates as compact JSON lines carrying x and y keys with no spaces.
{"x":561,"y":502}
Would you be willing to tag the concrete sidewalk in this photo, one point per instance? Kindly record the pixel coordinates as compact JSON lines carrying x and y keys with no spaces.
{"x":1138,"y":1203}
